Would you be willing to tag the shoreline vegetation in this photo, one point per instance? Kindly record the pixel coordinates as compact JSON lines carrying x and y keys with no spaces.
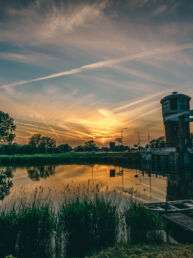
{"x":124,"y":159}
{"x":83,"y":222}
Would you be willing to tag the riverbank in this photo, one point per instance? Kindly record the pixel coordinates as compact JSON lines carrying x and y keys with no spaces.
{"x":118,"y":158}
{"x":83,"y":221}
{"x":161,"y":251}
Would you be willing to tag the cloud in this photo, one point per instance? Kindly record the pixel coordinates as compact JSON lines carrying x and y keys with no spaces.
{"x":139,"y":101}
{"x":160,"y":10}
{"x":54,"y":20}
{"x":102,"y":64}
{"x":13,"y":56}
{"x":124,"y":60}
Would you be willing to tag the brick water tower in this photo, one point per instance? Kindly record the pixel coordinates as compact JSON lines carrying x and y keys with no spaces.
{"x":176,"y":116}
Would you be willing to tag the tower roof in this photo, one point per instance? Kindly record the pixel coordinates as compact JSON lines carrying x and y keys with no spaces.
{"x":175,"y":94}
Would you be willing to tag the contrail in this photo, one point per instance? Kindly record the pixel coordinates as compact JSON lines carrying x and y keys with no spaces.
{"x":106,"y":63}
{"x":117,"y":109}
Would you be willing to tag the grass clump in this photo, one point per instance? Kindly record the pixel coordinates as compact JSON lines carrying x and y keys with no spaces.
{"x":143,"y":225}
{"x":81,"y":222}
{"x":75,"y":227}
{"x":26,"y":232}
{"x":88,"y":226}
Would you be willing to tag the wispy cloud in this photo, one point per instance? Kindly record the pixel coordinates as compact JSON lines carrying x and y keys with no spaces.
{"x":114,"y":63}
{"x":139,"y":101}
{"x":102,"y":64}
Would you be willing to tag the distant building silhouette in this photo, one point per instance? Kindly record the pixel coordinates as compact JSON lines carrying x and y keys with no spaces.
{"x":176,"y":112}
{"x":112,"y":146}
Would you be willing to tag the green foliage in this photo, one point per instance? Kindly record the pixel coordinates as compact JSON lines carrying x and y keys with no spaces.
{"x":5,"y":181}
{"x":78,"y":227}
{"x":7,"y":128}
{"x":88,"y":225}
{"x":36,"y":227}
{"x":42,"y":144}
{"x":64,"y":148}
{"x":27,"y":232}
{"x":88,"y":146}
{"x":122,"y":159}
{"x":157,"y":143}
{"x":143,"y":225}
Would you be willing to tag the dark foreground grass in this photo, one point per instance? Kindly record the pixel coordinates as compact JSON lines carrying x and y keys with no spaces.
{"x":143,"y":225}
{"x":26,"y":233}
{"x":75,"y":230}
{"x":90,"y":226}
{"x":77,"y":227}
{"x":146,"y":251}
{"x":124,"y":159}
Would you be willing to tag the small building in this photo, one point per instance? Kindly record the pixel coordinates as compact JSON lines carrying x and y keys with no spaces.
{"x":112,"y":146}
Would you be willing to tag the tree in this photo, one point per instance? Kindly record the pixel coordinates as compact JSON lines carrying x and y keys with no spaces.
{"x":35,"y":173}
{"x":7,"y":128}
{"x":43,"y":144}
{"x":47,"y":144}
{"x":157,"y":143}
{"x":64,"y":148}
{"x":90,"y":146}
{"x":5,"y":181}
{"x":35,"y":140}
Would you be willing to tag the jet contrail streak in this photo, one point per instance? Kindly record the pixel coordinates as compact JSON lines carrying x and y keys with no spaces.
{"x":106,"y":63}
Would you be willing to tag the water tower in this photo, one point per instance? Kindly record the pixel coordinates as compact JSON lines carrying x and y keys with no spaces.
{"x":176,"y":116}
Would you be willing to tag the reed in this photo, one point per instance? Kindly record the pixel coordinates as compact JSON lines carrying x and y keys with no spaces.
{"x":88,"y":226}
{"x":143,"y":225}
{"x":84,"y":219}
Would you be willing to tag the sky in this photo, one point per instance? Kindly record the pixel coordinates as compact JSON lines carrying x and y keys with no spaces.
{"x":89,"y":70}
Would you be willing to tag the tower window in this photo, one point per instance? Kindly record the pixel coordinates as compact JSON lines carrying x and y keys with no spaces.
{"x":174,"y":103}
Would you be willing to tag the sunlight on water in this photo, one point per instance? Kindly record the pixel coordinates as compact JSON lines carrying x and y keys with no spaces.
{"x":129,"y":182}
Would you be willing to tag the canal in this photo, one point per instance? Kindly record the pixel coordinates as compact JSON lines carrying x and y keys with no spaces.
{"x":141,"y":185}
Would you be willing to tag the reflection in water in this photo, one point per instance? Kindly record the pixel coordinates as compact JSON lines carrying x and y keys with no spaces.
{"x":5,"y":182}
{"x":180,"y":184}
{"x":141,"y":185}
{"x":35,"y":173}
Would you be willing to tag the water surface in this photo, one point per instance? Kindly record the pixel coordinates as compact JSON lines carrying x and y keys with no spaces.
{"x":143,"y":186}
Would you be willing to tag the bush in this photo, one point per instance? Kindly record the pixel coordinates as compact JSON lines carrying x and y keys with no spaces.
{"x":143,"y":225}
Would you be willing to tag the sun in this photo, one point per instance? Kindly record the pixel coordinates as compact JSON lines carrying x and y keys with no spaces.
{"x":103,"y":140}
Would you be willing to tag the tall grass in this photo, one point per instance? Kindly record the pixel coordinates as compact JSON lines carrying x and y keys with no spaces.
{"x":88,"y":226}
{"x":27,"y":232}
{"x":143,"y":225}
{"x":83,"y":221}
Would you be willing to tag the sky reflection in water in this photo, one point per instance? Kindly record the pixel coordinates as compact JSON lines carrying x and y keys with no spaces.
{"x":133,"y":182}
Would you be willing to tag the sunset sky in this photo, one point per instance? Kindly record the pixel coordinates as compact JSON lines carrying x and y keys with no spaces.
{"x":82,"y":70}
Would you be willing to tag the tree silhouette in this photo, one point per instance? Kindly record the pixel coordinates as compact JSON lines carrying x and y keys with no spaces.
{"x":35,"y":173}
{"x":5,"y":182}
{"x":43,"y":144}
{"x":7,"y":128}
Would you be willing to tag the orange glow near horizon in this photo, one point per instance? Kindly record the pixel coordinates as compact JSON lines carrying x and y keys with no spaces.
{"x":88,"y":69}
{"x":77,"y":127}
